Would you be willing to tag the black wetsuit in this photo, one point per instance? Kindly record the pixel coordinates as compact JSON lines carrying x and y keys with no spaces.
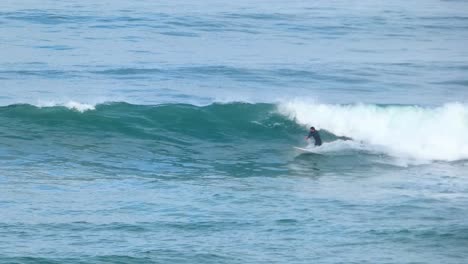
{"x":316,"y":136}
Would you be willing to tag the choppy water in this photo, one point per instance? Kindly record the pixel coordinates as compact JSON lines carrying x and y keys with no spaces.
{"x":163,"y":132}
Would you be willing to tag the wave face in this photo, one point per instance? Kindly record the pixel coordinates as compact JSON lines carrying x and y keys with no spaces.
{"x":413,"y":132}
{"x":211,"y":123}
{"x":160,"y":140}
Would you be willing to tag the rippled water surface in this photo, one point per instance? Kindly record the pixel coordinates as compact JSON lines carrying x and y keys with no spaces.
{"x":163,"y":131}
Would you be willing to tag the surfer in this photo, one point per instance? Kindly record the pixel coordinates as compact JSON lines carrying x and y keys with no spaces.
{"x":315,"y":134}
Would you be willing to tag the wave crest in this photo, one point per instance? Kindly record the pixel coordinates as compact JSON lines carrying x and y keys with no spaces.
{"x":72,"y":105}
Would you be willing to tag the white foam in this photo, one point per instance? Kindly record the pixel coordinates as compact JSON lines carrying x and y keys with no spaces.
{"x":413,"y":132}
{"x":73,"y":105}
{"x":340,"y":147}
{"x":79,"y":106}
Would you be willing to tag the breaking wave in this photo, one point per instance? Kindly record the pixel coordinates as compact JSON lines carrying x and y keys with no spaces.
{"x":406,"y":132}
{"x":415,"y":132}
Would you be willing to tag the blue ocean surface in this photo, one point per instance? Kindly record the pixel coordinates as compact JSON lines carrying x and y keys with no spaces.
{"x":164,"y":131}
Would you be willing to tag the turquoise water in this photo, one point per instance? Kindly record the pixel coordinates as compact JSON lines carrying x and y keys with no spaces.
{"x":143,"y":132}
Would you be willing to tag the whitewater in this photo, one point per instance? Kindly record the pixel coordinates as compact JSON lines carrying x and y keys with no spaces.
{"x":420,"y":133}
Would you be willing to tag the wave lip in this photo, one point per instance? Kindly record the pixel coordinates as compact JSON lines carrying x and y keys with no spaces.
{"x":414,"y":132}
{"x":72,"y":105}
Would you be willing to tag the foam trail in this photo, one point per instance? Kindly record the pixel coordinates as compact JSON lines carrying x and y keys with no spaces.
{"x":414,"y":132}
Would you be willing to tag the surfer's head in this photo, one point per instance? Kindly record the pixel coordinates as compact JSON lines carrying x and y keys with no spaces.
{"x":312,"y":128}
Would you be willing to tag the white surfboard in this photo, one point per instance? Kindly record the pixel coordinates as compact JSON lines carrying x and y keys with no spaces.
{"x":308,"y":150}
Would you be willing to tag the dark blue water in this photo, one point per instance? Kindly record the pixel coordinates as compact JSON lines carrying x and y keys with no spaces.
{"x":163,"y":132}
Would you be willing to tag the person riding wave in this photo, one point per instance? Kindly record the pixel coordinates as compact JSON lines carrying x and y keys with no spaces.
{"x":314,"y":134}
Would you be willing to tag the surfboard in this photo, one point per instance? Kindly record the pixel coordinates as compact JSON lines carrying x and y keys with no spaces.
{"x":308,"y":150}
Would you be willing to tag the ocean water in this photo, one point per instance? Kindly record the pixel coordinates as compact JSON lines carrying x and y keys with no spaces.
{"x":163,"y":131}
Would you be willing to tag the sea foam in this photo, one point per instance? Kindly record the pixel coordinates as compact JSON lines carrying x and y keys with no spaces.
{"x":415,"y":132}
{"x":72,"y":105}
